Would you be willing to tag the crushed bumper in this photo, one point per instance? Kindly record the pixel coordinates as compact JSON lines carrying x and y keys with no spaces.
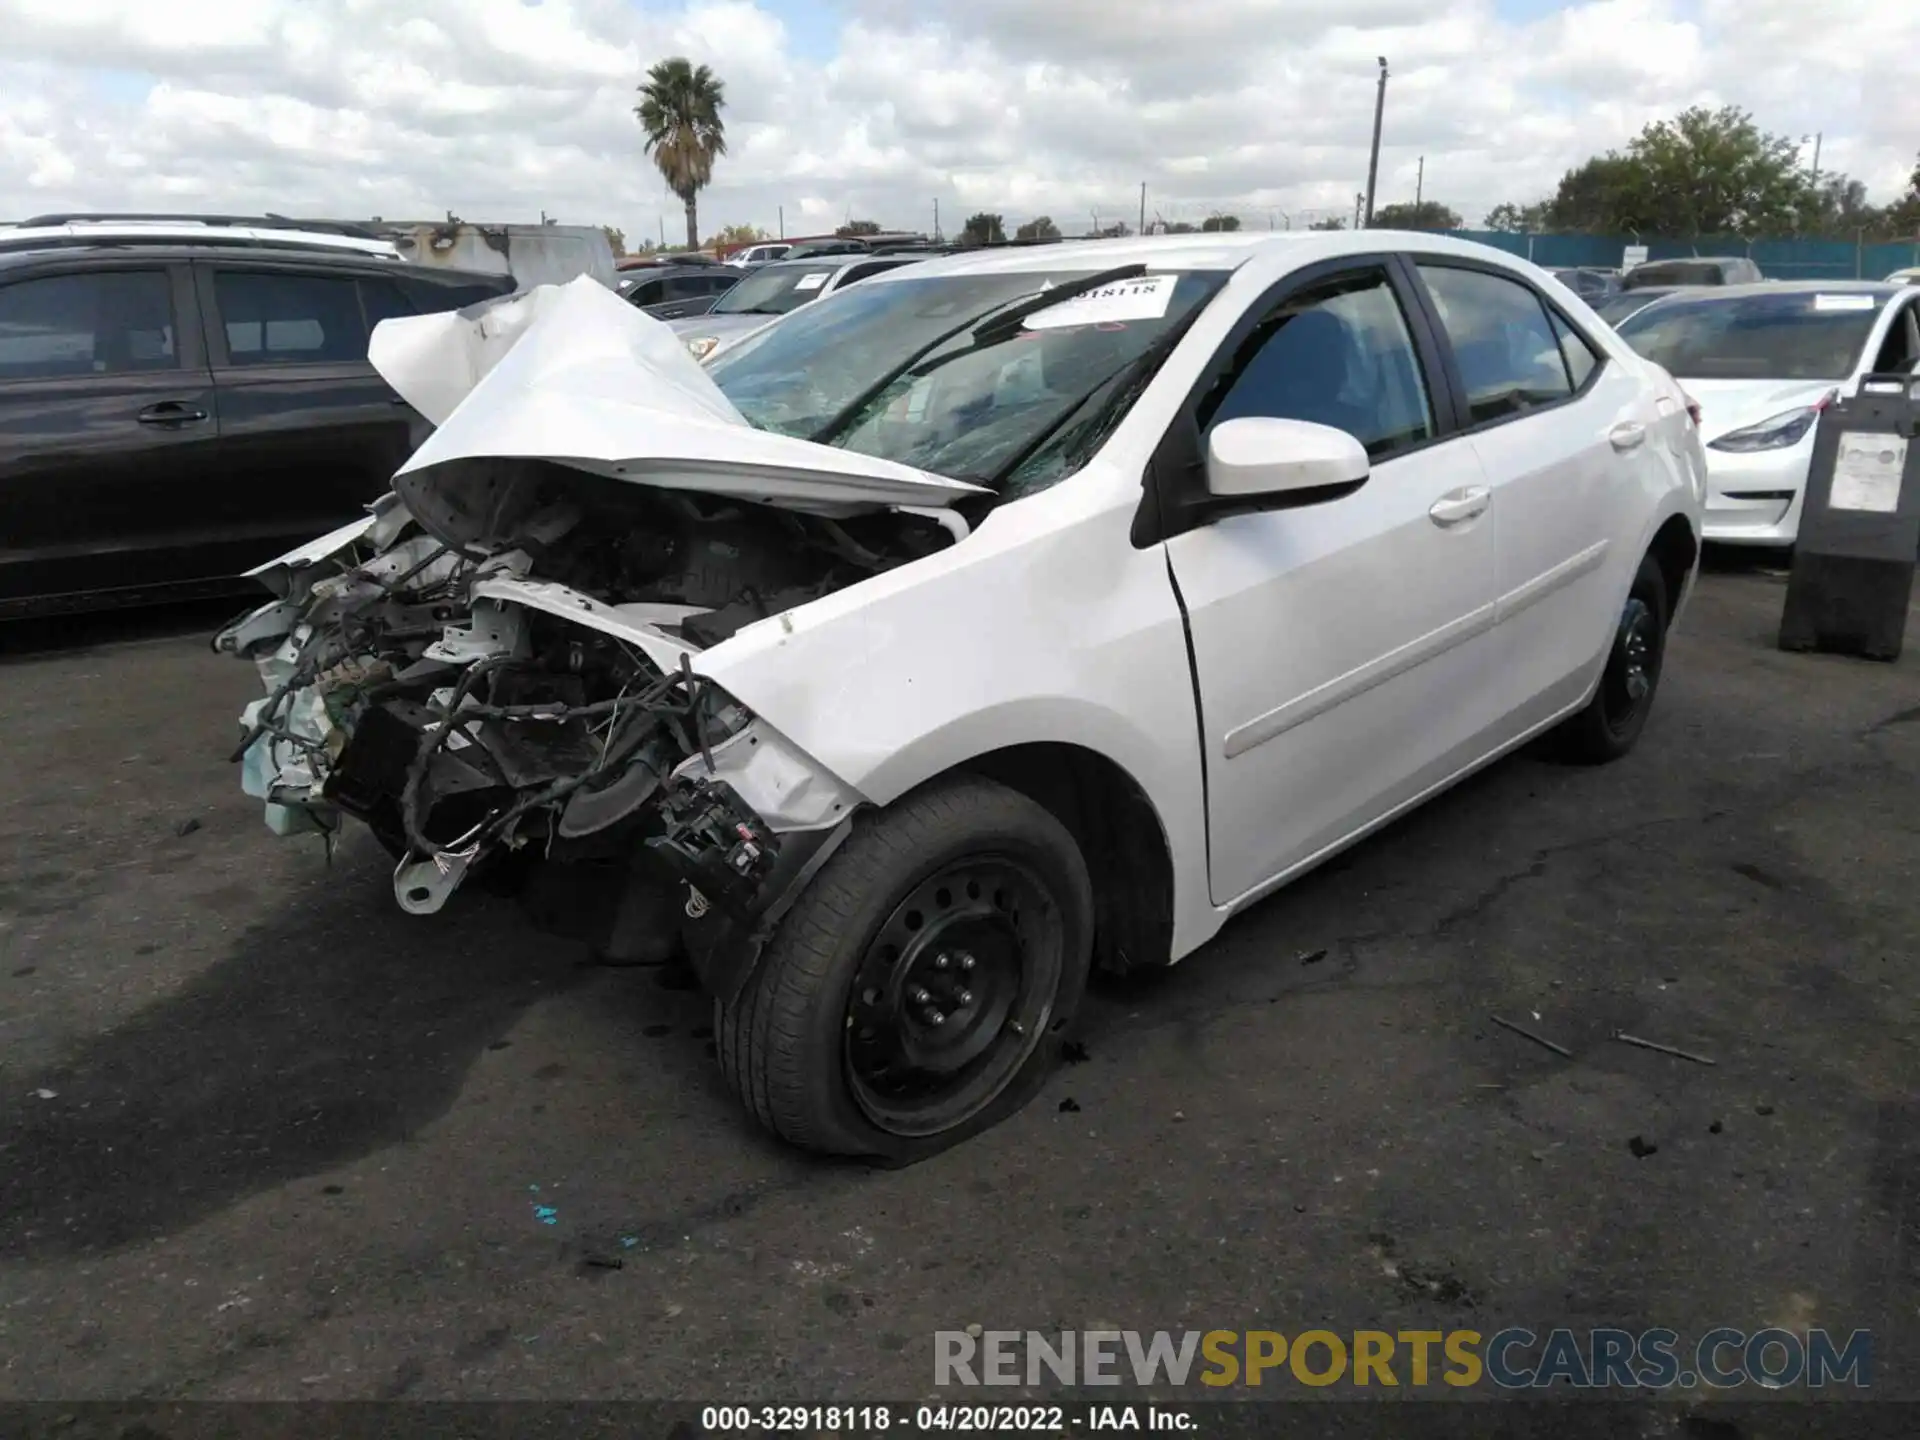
{"x":468,"y":712}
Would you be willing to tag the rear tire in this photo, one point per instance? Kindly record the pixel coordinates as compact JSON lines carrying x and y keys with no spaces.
{"x":1612,"y":721}
{"x":916,"y":992}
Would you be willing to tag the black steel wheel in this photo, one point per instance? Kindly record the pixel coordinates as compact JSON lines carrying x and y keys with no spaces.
{"x":952,"y":995}
{"x":1612,"y":721}
{"x":1627,"y":684}
{"x":917,"y":991}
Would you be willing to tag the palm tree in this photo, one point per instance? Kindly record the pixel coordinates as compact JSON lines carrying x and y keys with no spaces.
{"x":679,"y":108}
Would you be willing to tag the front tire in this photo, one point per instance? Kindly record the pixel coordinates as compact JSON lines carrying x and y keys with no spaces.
{"x":915,"y":993}
{"x":1612,"y":721}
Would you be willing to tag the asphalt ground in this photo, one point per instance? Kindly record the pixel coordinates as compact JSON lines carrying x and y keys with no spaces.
{"x":263,"y":1136}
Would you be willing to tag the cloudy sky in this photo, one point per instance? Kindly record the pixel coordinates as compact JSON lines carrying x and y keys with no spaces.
{"x":498,"y":109}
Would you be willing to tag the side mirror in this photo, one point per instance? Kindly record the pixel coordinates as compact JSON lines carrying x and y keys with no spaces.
{"x":1256,"y":456}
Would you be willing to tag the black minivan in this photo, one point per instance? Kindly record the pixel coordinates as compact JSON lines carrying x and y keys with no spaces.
{"x":174,"y":413}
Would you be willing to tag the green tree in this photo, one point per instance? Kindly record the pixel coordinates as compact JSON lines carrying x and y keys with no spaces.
{"x":679,"y":109}
{"x":617,"y":238}
{"x":858,"y":227}
{"x":1705,"y":172}
{"x":1608,"y":194}
{"x":1514,"y":219}
{"x":1041,"y":227}
{"x":1426,"y":215}
{"x":740,"y":235}
{"x":1179,"y":227}
{"x":1217,"y":222}
{"x":1901,"y":220}
{"x":1332,"y":222}
{"x":983,"y":229}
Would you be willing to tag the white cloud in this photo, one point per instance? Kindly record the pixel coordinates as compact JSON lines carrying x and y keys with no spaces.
{"x":498,"y":109}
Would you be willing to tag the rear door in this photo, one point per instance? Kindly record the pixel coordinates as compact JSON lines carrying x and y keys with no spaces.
{"x":1565,"y":439}
{"x":108,"y":429}
{"x":1342,"y":649}
{"x":310,"y":433}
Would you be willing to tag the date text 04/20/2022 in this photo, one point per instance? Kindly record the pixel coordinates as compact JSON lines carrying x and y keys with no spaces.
{"x":974,"y":1419}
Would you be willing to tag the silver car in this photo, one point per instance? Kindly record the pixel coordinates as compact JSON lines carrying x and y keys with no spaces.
{"x":773,"y":290}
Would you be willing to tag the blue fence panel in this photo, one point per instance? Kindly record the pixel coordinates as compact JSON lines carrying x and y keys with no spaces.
{"x":1777,"y":259}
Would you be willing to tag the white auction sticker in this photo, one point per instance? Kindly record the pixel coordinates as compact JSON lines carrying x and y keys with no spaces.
{"x":1144,"y":297}
{"x":1844,"y":302}
{"x":813,"y":281}
{"x":1866,"y":473}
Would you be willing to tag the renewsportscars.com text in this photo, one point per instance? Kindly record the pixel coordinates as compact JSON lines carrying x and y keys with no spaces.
{"x":1513,"y":1358}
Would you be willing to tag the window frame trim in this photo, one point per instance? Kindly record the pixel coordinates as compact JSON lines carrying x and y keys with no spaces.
{"x":1172,"y":503}
{"x":1457,"y":381}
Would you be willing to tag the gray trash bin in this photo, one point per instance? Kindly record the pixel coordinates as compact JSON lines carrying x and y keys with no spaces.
{"x":1853,"y":563}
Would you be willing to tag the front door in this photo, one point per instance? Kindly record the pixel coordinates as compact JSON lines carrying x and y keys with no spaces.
{"x":1344,"y":650}
{"x":108,"y":431}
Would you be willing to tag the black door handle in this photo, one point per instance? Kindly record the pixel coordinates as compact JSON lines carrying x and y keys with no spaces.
{"x":170,"y":412}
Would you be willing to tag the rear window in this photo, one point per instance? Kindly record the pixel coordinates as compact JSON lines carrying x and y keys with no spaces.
{"x":1692,"y":272}
{"x":1799,"y":335}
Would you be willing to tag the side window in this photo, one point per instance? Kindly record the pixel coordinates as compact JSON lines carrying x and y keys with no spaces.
{"x":384,"y":300}
{"x":111,"y":322}
{"x":1578,"y":354}
{"x":1901,"y":349}
{"x":859,"y":273}
{"x":648,"y":292}
{"x":1510,"y":359}
{"x":1340,"y":355}
{"x":289,"y":319}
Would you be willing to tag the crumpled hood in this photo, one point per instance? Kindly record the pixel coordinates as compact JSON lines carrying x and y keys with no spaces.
{"x":576,"y":375}
{"x":1727,"y":405}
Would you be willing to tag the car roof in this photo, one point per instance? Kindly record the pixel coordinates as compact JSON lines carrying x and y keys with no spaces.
{"x":667,"y":272}
{"x":1878,"y":288}
{"x":54,"y":231}
{"x":1216,"y":250}
{"x":281,"y":254}
{"x":821,"y":262}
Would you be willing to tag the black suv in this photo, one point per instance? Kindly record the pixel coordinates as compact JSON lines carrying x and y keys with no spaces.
{"x":674,"y":292}
{"x":176,"y":412}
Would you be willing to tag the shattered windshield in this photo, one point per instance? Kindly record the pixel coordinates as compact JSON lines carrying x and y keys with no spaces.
{"x":776,"y":290}
{"x":917,"y":370}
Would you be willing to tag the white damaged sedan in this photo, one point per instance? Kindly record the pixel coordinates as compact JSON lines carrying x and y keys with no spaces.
{"x":1002,"y":616}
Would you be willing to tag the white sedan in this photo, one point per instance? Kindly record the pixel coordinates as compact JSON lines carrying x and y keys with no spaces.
{"x":997,"y":618}
{"x":1763,"y":361}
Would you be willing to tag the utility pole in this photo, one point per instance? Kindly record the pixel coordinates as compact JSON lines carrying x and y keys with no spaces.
{"x":783,"y":222}
{"x":1373,"y":163}
{"x":1420,"y":184}
{"x":936,"y":217}
{"x":1819,"y":135}
{"x":1359,"y":207}
{"x":663,"y":232}
{"x":1143,"y":208}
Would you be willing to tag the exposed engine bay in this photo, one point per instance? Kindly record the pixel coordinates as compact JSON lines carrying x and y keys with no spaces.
{"x":494,"y":669}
